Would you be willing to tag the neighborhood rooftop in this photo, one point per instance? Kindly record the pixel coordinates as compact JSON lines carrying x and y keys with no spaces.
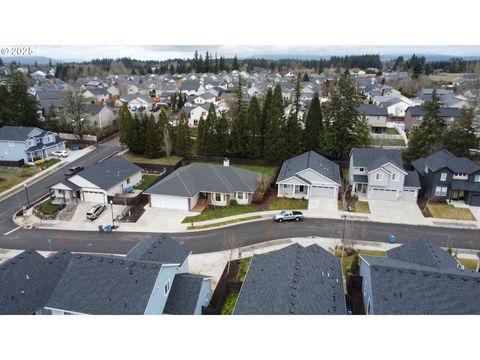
{"x":162,"y":249}
{"x":445,"y":159}
{"x":372,"y":158}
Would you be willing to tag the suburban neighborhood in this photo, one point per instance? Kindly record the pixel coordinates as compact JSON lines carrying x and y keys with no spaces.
{"x":217,"y":185}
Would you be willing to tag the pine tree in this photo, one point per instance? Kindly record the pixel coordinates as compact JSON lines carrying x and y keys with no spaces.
{"x":274,"y":142}
{"x":216,"y":65}
{"x":200,"y":144}
{"x":235,"y":65}
{"x":254,"y":130}
{"x":292,"y":133}
{"x":428,"y":138}
{"x":297,"y":91}
{"x":183,"y":142}
{"x":137,"y":134}
{"x":313,"y":136}
{"x":239,"y":134}
{"x":461,"y":138}
{"x":305,"y":77}
{"x":153,"y":138}
{"x":222,"y":135}
{"x":209,"y":131}
{"x":263,"y":126}
{"x":125,"y":126}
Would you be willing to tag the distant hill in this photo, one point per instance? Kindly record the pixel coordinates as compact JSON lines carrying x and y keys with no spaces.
{"x":30,"y":60}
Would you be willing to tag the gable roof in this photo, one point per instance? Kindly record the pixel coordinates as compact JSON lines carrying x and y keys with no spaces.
{"x":28,"y":279}
{"x":107,"y":285}
{"x":15,"y":133}
{"x":445,"y":159}
{"x":444,"y":111}
{"x":373,"y":158}
{"x":162,"y":249}
{"x":293,"y":280}
{"x":309,"y":160}
{"x":109,"y":172}
{"x":183,"y":296}
{"x":194,"y":178}
{"x":190,"y":85}
{"x":371,"y":109}
{"x":402,"y":287}
{"x":412,"y":180}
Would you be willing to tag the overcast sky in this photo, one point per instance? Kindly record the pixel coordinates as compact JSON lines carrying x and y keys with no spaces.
{"x":81,"y":52}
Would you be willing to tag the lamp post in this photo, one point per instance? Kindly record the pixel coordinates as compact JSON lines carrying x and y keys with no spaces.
{"x":111,"y":207}
{"x":26,"y":192}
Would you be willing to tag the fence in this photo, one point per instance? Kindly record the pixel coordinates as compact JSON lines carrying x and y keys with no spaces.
{"x":17,"y":163}
{"x":190,"y":158}
{"x":86,"y":138}
{"x":224,"y":286}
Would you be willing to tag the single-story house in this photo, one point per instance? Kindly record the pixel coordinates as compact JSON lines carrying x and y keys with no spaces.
{"x":97,"y":182}
{"x":307,"y":176}
{"x":27,"y":144}
{"x":295,"y":280}
{"x":418,"y":278}
{"x":204,"y":184}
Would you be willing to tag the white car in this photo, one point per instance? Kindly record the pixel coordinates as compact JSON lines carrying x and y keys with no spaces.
{"x":60,"y":153}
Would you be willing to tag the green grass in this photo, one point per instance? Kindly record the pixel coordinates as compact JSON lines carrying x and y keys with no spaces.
{"x":147,"y":181}
{"x":137,"y":158}
{"x":48,"y":208}
{"x":388,"y":142}
{"x":220,"y":213}
{"x":207,"y":226}
{"x":347,"y":260}
{"x":49,"y":163}
{"x":287,"y":204}
{"x":469,"y":263}
{"x":9,"y":177}
{"x":243,"y":268}
{"x":362,"y":207}
{"x":267,"y":170}
{"x":345,"y":172}
{"x":391,"y":131}
{"x":229,"y":304}
{"x":447,"y":211}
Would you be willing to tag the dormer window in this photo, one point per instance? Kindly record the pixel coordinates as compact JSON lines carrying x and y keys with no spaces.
{"x":426,"y":169}
{"x":443,"y":177}
{"x":361,"y":170}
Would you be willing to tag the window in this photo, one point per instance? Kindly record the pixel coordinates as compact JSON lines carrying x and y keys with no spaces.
{"x":441,"y":191}
{"x":240,"y":195}
{"x":218,"y":197}
{"x":361,"y":170}
{"x":395,"y":177}
{"x":301,"y":188}
{"x":379,"y":177}
{"x":477,"y":178}
{"x":443,"y":177}
{"x":167,"y":287}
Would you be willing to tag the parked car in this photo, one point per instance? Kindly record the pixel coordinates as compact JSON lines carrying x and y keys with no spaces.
{"x":288,"y":216}
{"x":73,"y":170}
{"x":95,"y":211}
{"x":60,"y":153}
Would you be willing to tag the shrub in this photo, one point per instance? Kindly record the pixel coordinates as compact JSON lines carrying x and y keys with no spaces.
{"x":355,"y":266}
{"x":233,"y":202}
{"x":39,"y":161}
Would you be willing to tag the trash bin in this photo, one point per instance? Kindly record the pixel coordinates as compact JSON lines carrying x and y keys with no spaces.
{"x":100,"y":228}
{"x":392,"y":239}
{"x":108,"y":228}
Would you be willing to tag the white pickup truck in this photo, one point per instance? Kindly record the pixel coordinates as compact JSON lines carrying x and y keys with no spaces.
{"x":288,"y":216}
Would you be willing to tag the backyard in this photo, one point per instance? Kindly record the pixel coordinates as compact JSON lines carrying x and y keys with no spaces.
{"x":137,"y":158}
{"x":388,"y":142}
{"x":147,"y":181}
{"x":231,"y":298}
{"x":348,"y":260}
{"x":447,"y":211}
{"x":10,"y":177}
{"x":266,"y":170}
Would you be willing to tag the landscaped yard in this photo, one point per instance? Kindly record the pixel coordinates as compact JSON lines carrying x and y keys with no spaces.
{"x":469,"y":263}
{"x":243,"y":268}
{"x":229,"y":304}
{"x":147,"y":181}
{"x":211,"y":214}
{"x":137,"y":158}
{"x":388,"y":142}
{"x":48,"y":208}
{"x":287,"y":204}
{"x":359,"y":207}
{"x":347,"y":260}
{"x":49,"y":163}
{"x":10,"y":177}
{"x":222,"y":223}
{"x":267,"y":170}
{"x":391,"y":131}
{"x":447,"y":211}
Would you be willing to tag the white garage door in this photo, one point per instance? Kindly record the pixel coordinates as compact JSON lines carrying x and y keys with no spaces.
{"x":383,"y":194}
{"x":409,"y":195}
{"x":323,"y":191}
{"x":169,"y":202}
{"x":94,"y":196}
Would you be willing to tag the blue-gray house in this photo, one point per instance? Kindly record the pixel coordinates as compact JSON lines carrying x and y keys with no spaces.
{"x":27,"y":143}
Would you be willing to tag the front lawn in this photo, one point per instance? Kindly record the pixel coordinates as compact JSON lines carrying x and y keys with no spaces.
{"x":287,"y":204}
{"x":469,"y":263}
{"x":222,"y":223}
{"x":138,"y":158}
{"x":447,"y":211}
{"x":48,"y":208}
{"x":359,"y":207}
{"x":211,"y":214}
{"x":49,"y":163}
{"x":243,"y":268}
{"x":229,"y":304}
{"x":147,"y":181}
{"x":9,"y":177}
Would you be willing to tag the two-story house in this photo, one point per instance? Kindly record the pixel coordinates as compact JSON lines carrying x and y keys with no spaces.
{"x":378,"y":174}
{"x":27,"y":144}
{"x":192,"y":87}
{"x":414,"y":116}
{"x":376,"y":116}
{"x":100,"y":116}
{"x":446,"y":176}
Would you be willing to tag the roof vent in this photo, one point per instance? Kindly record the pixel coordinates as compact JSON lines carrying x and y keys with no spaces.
{"x":4,"y":267}
{"x":130,"y":272}
{"x":144,"y":265}
{"x":89,"y":257}
{"x":154,"y":266}
{"x":125,"y":304}
{"x":110,"y":261}
{"x":79,"y":256}
{"x":12,"y":262}
{"x":109,"y":299}
{"x":164,"y":236}
{"x":27,"y":277}
{"x":100,"y":259}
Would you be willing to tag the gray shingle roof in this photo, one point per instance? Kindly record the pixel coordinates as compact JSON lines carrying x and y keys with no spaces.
{"x":363,"y":179}
{"x":310,"y":160}
{"x":183,"y":296}
{"x":28,"y":279}
{"x":103,"y":285}
{"x":110,"y":172}
{"x":371,"y":110}
{"x":190,"y":85}
{"x":445,"y":159}
{"x":465,"y":185}
{"x":15,"y":133}
{"x":444,"y":111}
{"x":194,"y":178}
{"x":293,"y":280}
{"x":373,"y":158}
{"x":161,"y":249}
{"x":410,"y":288}
{"x":412,"y":180}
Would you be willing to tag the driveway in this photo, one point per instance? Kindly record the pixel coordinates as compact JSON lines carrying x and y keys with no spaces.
{"x":396,"y":212}
{"x":323,"y":207}
{"x":161,"y":220}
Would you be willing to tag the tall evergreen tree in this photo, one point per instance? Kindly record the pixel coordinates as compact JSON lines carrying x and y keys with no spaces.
{"x":263,"y":126}
{"x":274,"y":141}
{"x":297,"y":91}
{"x":313,"y":136}
{"x":235,"y":64}
{"x":209,"y":145}
{"x":183,"y":142}
{"x":125,"y":125}
{"x":292,"y":136}
{"x":306,"y":77}
{"x":254,"y":130}
{"x":239,"y":133}
{"x":222,"y":135}
{"x":137,"y":134}
{"x":200,"y":143}
{"x":461,"y":137}
{"x":216,"y":65}
{"x":153,"y":138}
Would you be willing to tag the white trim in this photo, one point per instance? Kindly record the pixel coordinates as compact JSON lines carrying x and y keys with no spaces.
{"x":388,"y":163}
{"x":321,"y":175}
{"x":292,"y":177}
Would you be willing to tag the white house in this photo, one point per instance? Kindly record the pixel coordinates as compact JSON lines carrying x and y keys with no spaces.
{"x":100,"y":116}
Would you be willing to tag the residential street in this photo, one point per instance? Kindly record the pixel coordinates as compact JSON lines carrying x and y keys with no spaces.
{"x":240,"y":235}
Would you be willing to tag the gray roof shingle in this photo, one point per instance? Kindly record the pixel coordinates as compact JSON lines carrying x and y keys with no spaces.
{"x":309,"y":160}
{"x":110,"y":172}
{"x":15,"y":133}
{"x":28,"y":279}
{"x":194,"y":178}
{"x":183,"y":297}
{"x":373,"y":158}
{"x":444,"y":111}
{"x":162,"y":249}
{"x":412,"y":180}
{"x":371,"y":110}
{"x":445,"y":159}
{"x":293,"y":280}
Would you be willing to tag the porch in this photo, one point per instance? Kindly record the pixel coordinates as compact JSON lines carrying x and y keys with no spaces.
{"x":293,"y":191}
